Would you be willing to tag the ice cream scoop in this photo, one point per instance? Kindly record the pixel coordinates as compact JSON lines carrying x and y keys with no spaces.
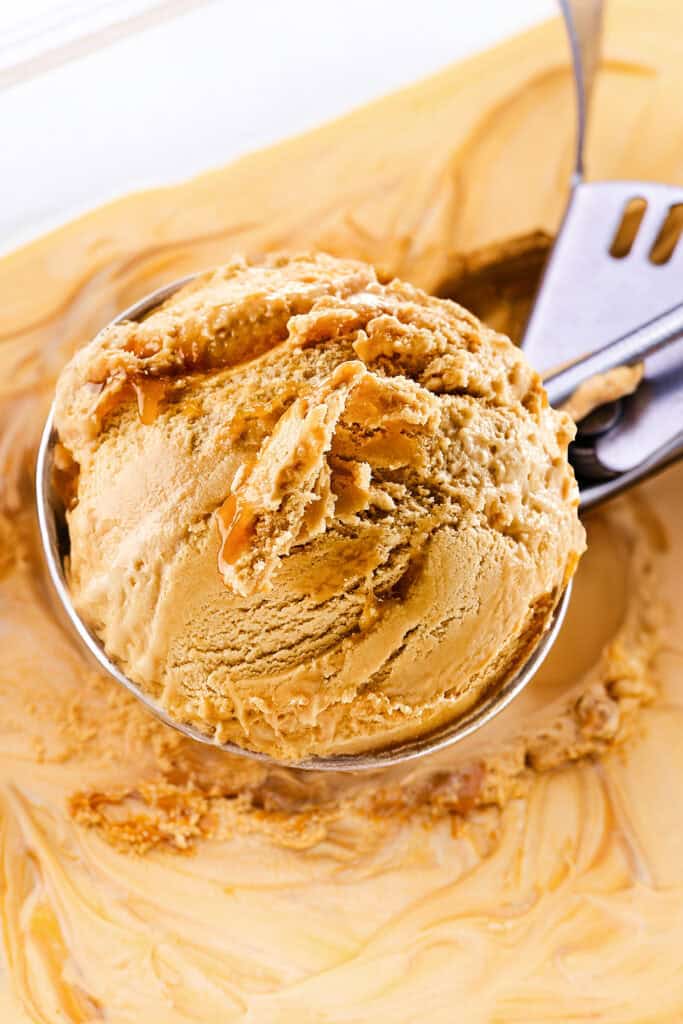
{"x":354,"y":516}
{"x":615,"y":265}
{"x":322,"y":518}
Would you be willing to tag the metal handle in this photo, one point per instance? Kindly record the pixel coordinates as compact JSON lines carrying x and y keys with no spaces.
{"x":583,"y":20}
{"x":595,"y":494}
{"x":630,"y":348}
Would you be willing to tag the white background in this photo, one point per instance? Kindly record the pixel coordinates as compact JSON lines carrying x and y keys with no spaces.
{"x":99,"y":99}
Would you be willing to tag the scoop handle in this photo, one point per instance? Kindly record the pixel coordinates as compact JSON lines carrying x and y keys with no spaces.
{"x":583,"y":21}
{"x":629,"y":348}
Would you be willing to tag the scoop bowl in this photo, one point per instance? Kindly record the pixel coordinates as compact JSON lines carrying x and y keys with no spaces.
{"x":54,"y":536}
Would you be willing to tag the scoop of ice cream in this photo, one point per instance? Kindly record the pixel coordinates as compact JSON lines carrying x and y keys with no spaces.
{"x":311,"y":512}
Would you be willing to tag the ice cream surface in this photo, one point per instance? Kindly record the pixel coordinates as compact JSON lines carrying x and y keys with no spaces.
{"x":314,"y":512}
{"x":535,"y":872}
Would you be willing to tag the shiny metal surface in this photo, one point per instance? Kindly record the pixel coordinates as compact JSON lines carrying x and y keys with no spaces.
{"x":588,"y":296}
{"x":583,"y":19}
{"x":610,"y":453}
{"x":630,"y":348}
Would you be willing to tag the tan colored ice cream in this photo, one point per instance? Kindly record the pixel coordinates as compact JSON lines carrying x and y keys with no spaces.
{"x":533,"y":872}
{"x":313,"y":512}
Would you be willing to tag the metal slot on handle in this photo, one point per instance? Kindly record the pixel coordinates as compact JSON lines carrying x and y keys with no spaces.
{"x":616,"y":264}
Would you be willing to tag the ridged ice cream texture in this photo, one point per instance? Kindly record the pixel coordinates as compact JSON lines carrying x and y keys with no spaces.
{"x":313,"y":512}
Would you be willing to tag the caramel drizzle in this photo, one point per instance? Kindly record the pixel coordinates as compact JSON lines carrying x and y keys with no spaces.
{"x":149,"y":394}
{"x":236,"y":520}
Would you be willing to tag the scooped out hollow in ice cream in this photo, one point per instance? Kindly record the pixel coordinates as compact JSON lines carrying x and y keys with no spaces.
{"x":311,"y":512}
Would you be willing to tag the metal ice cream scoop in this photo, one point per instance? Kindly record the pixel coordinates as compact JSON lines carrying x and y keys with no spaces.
{"x":615,"y":271}
{"x":648,"y":429}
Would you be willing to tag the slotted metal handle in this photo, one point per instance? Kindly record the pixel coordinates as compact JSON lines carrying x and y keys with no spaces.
{"x":587,"y":296}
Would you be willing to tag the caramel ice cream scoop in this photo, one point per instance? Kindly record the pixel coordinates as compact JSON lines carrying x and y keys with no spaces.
{"x":311,"y":512}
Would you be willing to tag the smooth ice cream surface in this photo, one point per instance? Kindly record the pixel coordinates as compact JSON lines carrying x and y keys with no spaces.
{"x":314,"y":512}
